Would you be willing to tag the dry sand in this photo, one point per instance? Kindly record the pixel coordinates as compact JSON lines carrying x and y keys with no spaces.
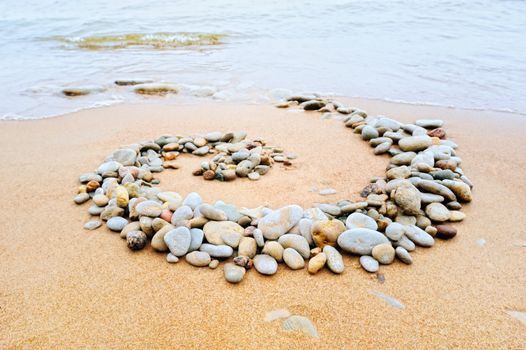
{"x":62,"y":287}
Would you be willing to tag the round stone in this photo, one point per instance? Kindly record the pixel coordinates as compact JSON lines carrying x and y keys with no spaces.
{"x":326,"y":232}
{"x":233,"y":273}
{"x":419,"y":236}
{"x":265,"y":264}
{"x":394,"y":231}
{"x":359,"y":220}
{"x":100,"y":200}
{"x":384,"y":253}
{"x":274,"y":249}
{"x":199,"y":259}
{"x":317,"y":263}
{"x":369,"y":264}
{"x":360,"y":240}
{"x":116,"y":223}
{"x":178,"y":241}
{"x":297,"y":242}
{"x":293,"y":259}
{"x":446,"y":231}
{"x":197,"y":239}
{"x":136,"y":240}
{"x":92,"y":225}
{"x":81,"y":198}
{"x":193,"y":200}
{"x":280,"y":221}
{"x":437,"y":212}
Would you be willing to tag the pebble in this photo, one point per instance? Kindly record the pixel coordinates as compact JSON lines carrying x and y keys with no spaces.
{"x":197,"y":258}
{"x":384,"y":253}
{"x":429,"y":123}
{"x":327,"y":191}
{"x":158,"y":239}
{"x":92,"y":225}
{"x":81,"y":198}
{"x":254,"y":176}
{"x":293,"y":259}
{"x":217,"y":251}
{"x":212,"y":213}
{"x":247,"y":247}
{"x":265,"y":264}
{"x":178,"y":241}
{"x":407,"y":197}
{"x":125,"y":156}
{"x":394,"y":231}
{"x":361,"y":240}
{"x":196,"y":239}
{"x":182,"y":213}
{"x":172,"y":259}
{"x":280,"y":221}
{"x":437,"y":212}
{"x":136,"y":240}
{"x":116,"y":223}
{"x":149,"y":208}
{"x":193,"y":200}
{"x":359,"y":220}
{"x":403,"y":255}
{"x":274,"y":249}
{"x":213,"y":264}
{"x":334,"y":259}
{"x":258,"y":236}
{"x":415,"y":143}
{"x":297,"y":242}
{"x":216,"y":231}
{"x":446,"y":231}
{"x":100,"y":200}
{"x":326,"y":232}
{"x":233,"y":273}
{"x":330,"y":209}
{"x":419,"y":236}
{"x":368,"y":133}
{"x":317,"y":263}
{"x":369,"y":264}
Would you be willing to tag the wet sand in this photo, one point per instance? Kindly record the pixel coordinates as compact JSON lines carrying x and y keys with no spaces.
{"x":62,"y":287}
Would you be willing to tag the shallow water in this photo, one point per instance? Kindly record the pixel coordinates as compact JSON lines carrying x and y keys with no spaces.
{"x":467,"y":54}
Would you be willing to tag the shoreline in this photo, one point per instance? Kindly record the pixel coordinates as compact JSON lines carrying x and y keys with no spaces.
{"x":63,"y":287}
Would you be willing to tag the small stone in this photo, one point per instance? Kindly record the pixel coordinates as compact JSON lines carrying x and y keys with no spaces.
{"x":178,"y":241}
{"x":280,"y":221}
{"x":217,"y":251}
{"x":215,"y":231}
{"x":274,"y":249}
{"x":293,"y":259}
{"x":415,"y":143}
{"x":326,"y":232}
{"x":213,"y":264}
{"x":327,"y":191}
{"x":297,"y":242}
{"x":209,"y":175}
{"x":437,"y":212}
{"x":81,"y":198}
{"x":265,"y":264}
{"x":198,"y":259}
{"x":172,"y":259}
{"x":233,"y":273}
{"x":149,"y":208}
{"x":369,"y":264}
{"x":419,"y":236}
{"x":334,"y":259}
{"x":394,"y":231}
{"x":456,"y":215}
{"x":116,"y":223}
{"x":429,"y":123}
{"x":100,"y":200}
{"x":181,"y":214}
{"x":317,"y":263}
{"x":193,"y":200}
{"x":313,"y":105}
{"x":158,"y":239}
{"x":359,"y":220}
{"x":247,"y":247}
{"x":330,"y":209}
{"x":361,"y":240}
{"x":258,"y":236}
{"x":446,"y":231}
{"x":384,"y":253}
{"x":92,"y":225}
{"x":196,"y":240}
{"x":136,"y":240}
{"x":254,"y":176}
{"x":407,"y":197}
{"x":403,"y":255}
{"x":368,"y":133}
{"x":212,"y":213}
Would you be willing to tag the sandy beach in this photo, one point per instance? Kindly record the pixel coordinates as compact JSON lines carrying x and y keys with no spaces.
{"x":63,"y":287}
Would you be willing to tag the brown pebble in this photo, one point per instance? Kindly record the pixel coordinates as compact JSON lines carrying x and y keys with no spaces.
{"x":446,"y":231}
{"x":209,"y":175}
{"x":438,"y":132}
{"x":198,"y":172}
{"x":244,"y":221}
{"x":92,"y":186}
{"x":446,"y":164}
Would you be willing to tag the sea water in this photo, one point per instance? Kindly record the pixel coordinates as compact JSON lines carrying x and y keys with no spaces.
{"x":468,"y":54}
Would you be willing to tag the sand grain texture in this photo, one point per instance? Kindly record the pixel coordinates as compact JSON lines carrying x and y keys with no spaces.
{"x":62,"y":287}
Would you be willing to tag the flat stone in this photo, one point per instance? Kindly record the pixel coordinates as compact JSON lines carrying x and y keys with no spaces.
{"x":360,"y":240}
{"x":212,"y":213}
{"x":403,"y":255}
{"x":359,"y":220}
{"x":265,"y":264}
{"x":293,"y":259}
{"x":233,"y":273}
{"x":297,"y":242}
{"x":429,"y":123}
{"x":81,"y":198}
{"x":116,"y":223}
{"x":394,"y":231}
{"x":149,"y":208}
{"x":280,"y":221}
{"x":197,"y":258}
{"x":369,"y":264}
{"x":419,"y":236}
{"x":193,"y":200}
{"x":415,"y":143}
{"x":438,"y":212}
{"x":215,"y":231}
{"x":217,"y":251}
{"x":334,"y":259}
{"x":125,"y":156}
{"x":196,"y":239}
{"x":92,"y":225}
{"x":178,"y":241}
